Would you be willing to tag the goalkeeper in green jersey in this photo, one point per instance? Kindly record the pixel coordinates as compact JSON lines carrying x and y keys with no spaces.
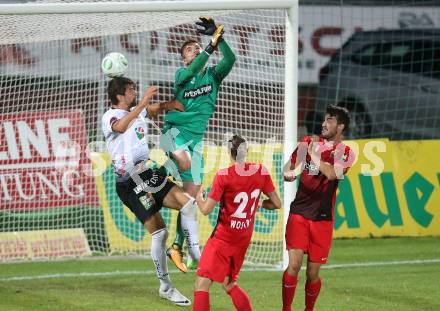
{"x":196,"y":87}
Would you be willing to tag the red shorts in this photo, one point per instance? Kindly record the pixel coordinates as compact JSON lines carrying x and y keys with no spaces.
{"x":313,"y":237}
{"x":219,"y":259}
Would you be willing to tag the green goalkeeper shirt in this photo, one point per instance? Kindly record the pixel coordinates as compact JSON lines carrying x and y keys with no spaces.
{"x":196,"y":88}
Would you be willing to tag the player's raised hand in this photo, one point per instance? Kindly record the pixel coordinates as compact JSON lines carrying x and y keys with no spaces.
{"x":313,"y":145}
{"x":218,"y":35}
{"x":148,"y":94}
{"x":289,"y":176}
{"x":151,"y":91}
{"x":207,"y":25}
{"x":209,"y":28}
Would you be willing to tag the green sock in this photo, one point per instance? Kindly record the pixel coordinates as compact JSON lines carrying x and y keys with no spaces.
{"x":180,"y":237}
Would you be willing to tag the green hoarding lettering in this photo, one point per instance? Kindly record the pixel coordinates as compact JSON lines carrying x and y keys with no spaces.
{"x":416,"y":204}
{"x":346,"y":199}
{"x":370,"y":200}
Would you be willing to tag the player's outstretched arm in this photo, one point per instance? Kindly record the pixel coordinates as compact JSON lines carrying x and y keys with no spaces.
{"x":205,"y":206}
{"x":183,"y":75}
{"x":208,"y":27}
{"x":296,"y":160}
{"x":225,"y":65}
{"x":154,"y":109}
{"x":289,"y":172}
{"x":273,"y":202}
{"x":121,"y":125}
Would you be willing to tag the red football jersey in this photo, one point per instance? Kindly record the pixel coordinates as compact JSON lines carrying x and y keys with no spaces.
{"x":238,"y":190}
{"x":316,"y":195}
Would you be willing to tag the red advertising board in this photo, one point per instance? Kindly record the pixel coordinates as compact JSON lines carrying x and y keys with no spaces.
{"x":44,"y":161}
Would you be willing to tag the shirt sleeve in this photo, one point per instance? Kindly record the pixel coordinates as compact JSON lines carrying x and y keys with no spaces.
{"x":217,"y":188}
{"x":108,"y":119}
{"x":112,"y":121}
{"x":268,"y":185}
{"x":344,"y":156}
{"x":349,"y":157}
{"x":185,"y":74}
{"x":224,"y":67}
{"x":301,"y":149}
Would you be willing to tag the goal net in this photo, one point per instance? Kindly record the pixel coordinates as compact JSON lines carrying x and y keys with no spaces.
{"x":56,"y":179}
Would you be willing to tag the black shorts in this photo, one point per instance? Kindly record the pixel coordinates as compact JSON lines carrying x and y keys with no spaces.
{"x":135,"y":194}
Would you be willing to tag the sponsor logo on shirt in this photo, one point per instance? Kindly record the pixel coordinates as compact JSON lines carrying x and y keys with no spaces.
{"x":193,"y":93}
{"x":312,"y":168}
{"x":140,"y":133}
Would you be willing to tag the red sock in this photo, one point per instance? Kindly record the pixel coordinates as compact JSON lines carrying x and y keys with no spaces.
{"x":312,"y":292}
{"x":240,"y":299}
{"x":289,"y":286}
{"x":201,"y":301}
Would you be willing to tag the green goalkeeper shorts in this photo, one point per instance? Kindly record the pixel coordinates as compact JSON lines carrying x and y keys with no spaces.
{"x":194,"y":145}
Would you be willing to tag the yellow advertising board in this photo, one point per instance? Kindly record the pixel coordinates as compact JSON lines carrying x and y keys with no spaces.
{"x":391,"y":190}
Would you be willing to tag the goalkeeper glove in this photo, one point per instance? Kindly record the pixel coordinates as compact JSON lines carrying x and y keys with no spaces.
{"x":210,"y":29}
{"x":216,"y":38}
{"x":208,"y":25}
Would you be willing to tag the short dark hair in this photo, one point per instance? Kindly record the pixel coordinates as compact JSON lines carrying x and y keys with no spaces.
{"x":341,"y":114}
{"x":238,"y":148}
{"x":117,"y":86}
{"x":187,"y":42}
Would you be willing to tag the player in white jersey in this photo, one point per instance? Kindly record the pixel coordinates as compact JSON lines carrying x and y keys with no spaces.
{"x":141,"y":186}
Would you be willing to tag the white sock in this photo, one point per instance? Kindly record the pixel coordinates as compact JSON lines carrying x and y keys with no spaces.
{"x":159,"y":257}
{"x":190,"y":228}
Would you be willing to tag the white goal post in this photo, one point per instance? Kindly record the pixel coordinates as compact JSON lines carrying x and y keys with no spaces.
{"x":55,"y":47}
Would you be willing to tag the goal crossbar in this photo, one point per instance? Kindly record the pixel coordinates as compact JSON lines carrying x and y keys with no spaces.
{"x":140,"y":6}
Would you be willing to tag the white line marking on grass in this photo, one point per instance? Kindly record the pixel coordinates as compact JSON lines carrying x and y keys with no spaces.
{"x":78,"y":275}
{"x":151,"y":272}
{"x":380,"y":263}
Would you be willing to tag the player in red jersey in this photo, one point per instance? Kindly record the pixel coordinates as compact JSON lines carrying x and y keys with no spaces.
{"x":324,"y":160}
{"x":237,"y":189}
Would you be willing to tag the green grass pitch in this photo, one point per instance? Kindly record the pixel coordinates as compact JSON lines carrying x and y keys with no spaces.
{"x":363,"y":274}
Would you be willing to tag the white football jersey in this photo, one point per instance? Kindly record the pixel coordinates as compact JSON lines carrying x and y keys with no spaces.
{"x":128,"y":148}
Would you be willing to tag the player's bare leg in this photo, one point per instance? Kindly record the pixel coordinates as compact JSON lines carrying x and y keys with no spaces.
{"x":313,"y":284}
{"x":290,"y":277}
{"x":295,"y":261}
{"x":239,"y":297}
{"x":183,"y":159}
{"x":156,"y":227}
